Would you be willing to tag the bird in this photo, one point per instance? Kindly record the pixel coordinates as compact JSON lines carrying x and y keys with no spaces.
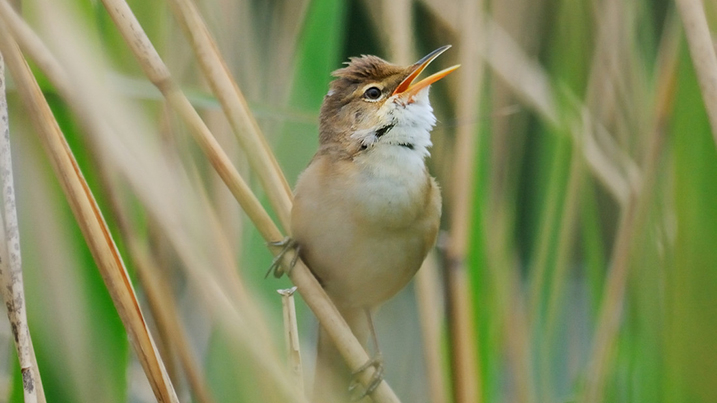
{"x":366,"y":210}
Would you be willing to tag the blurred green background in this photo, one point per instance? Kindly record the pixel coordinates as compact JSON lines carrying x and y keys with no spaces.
{"x":592,"y":245}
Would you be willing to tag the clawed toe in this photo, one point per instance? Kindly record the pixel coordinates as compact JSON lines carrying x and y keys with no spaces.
{"x":287,"y":244}
{"x":377,"y":363}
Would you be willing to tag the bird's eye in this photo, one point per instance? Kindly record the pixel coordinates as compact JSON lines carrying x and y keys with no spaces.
{"x":372,"y":93}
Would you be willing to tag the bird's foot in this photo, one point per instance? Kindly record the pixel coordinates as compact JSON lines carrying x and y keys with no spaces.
{"x":286,"y":245}
{"x":377,"y":363}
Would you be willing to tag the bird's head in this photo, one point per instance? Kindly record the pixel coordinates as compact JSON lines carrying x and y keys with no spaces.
{"x":373,"y":103}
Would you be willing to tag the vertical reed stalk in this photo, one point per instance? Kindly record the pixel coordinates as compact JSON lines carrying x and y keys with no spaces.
{"x":235,"y":107}
{"x":90,"y":221}
{"x":11,"y":262}
{"x":703,"y":55}
{"x":466,"y":375}
{"x":291,"y":335}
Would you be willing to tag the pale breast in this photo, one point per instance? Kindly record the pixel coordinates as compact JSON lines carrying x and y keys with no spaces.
{"x":390,"y":187}
{"x":364,"y":241}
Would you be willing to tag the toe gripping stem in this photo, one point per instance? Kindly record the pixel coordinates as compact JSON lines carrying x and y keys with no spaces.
{"x":377,"y":363}
{"x":286,"y":245}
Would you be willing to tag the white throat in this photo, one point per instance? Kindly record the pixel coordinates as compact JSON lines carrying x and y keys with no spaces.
{"x":393,"y":172}
{"x":407,"y":130}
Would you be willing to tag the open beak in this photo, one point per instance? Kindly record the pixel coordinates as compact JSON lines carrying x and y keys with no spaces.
{"x":407,"y":89}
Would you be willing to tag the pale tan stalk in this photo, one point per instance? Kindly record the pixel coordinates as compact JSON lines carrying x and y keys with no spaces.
{"x":608,"y":162}
{"x":159,"y":297}
{"x":245,"y":127}
{"x":90,"y":221}
{"x":91,"y":115}
{"x":613,"y":167}
{"x":632,"y":219}
{"x":703,"y":55}
{"x":11,"y":262}
{"x":600,"y":84}
{"x":397,"y":27}
{"x":431,"y":317}
{"x":461,"y":316}
{"x":163,"y":306}
{"x":311,"y":291}
{"x":96,"y":121}
{"x":291,"y":335}
{"x":336,"y":327}
{"x":157,"y":72}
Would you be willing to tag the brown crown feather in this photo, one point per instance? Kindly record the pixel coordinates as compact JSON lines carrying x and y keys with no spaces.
{"x":367,"y":67}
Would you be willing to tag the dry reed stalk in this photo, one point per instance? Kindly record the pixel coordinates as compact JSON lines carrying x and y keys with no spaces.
{"x":606,"y":160}
{"x":291,"y":334}
{"x":287,"y":26}
{"x":95,"y":125}
{"x":91,"y":114}
{"x":604,"y":74}
{"x":703,"y":55}
{"x":431,"y":318}
{"x":632,"y":220}
{"x":235,"y":107}
{"x":396,"y":24}
{"x":90,"y":221}
{"x":163,"y":307}
{"x":239,"y":315}
{"x":336,"y":327}
{"x":231,"y":222}
{"x":587,"y":137}
{"x":311,"y":291}
{"x":158,"y":73}
{"x":91,"y":117}
{"x":159,"y":297}
{"x":11,"y":261}
{"x":461,"y":317}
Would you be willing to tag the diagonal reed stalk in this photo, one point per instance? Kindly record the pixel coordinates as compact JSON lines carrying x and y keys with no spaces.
{"x":703,"y":55}
{"x":608,"y":162}
{"x":161,"y":302}
{"x":137,"y":172}
{"x":11,"y":263}
{"x":632,"y":220}
{"x":90,"y":221}
{"x":235,"y":107}
{"x":300,"y":275}
{"x":311,"y":290}
{"x":165,"y":313}
{"x":594,"y":201}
